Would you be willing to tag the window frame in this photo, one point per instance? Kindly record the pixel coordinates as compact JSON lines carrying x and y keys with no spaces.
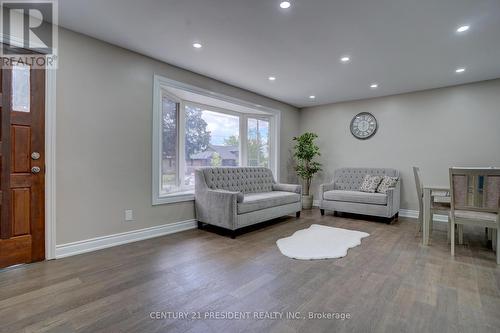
{"x":158,"y":196}
{"x":271,"y":142}
{"x":160,"y":87}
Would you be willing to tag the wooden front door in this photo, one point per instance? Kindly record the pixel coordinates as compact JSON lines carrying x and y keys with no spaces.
{"x":22,"y":203}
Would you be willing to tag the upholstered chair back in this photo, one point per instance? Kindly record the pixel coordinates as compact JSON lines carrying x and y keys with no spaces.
{"x":475,"y":189}
{"x":243,"y":179}
{"x":350,"y":179}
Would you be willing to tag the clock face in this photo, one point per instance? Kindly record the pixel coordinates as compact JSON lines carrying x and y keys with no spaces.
{"x":363,"y":125}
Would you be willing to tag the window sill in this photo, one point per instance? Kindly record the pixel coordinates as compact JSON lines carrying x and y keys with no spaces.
{"x":174,"y":197}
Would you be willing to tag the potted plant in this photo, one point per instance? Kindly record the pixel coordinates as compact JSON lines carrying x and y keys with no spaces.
{"x":305,"y":153}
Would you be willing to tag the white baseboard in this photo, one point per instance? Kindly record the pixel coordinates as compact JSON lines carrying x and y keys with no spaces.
{"x":409,"y":213}
{"x":406,"y":213}
{"x":98,"y":243}
{"x":414,"y":215}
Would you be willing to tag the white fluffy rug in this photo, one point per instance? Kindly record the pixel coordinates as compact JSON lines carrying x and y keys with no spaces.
{"x":320,"y":242}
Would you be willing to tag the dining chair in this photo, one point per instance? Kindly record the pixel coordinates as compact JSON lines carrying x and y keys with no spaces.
{"x":437,"y":207}
{"x":475,"y":200}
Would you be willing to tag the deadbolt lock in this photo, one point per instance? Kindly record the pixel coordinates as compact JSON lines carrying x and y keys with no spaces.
{"x":35,"y":155}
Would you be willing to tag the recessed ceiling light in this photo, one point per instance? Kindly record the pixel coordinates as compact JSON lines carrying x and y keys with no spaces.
{"x":272,"y":78}
{"x":345,"y":59}
{"x":374,"y":85}
{"x":312,"y":97}
{"x":463,"y":28}
{"x":197,"y":45}
{"x":459,"y":70}
{"x":285,"y":4}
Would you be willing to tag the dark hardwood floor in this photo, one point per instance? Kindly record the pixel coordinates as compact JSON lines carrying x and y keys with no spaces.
{"x":388,"y":284}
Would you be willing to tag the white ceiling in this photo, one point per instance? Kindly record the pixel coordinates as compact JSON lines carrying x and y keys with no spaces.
{"x":404,"y":45}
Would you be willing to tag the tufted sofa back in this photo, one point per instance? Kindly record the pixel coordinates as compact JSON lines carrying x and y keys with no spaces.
{"x":350,"y":179}
{"x":243,"y":179}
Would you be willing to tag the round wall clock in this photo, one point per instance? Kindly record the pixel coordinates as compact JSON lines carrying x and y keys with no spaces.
{"x":363,"y":125}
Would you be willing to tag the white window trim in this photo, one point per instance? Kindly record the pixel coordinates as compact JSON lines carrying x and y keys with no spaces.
{"x":273,"y":140}
{"x":159,"y":82}
{"x":158,"y":198}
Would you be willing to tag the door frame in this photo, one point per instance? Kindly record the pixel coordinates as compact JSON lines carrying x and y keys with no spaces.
{"x":50,"y":164}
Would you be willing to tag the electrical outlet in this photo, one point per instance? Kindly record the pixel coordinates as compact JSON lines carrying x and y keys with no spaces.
{"x":129,"y":215}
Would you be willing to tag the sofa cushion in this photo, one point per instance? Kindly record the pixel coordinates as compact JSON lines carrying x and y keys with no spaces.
{"x":370,"y":183}
{"x":356,"y":196}
{"x":387,"y":183}
{"x":257,"y":201}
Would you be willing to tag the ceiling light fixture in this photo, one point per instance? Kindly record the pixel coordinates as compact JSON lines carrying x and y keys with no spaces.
{"x":197,"y":45}
{"x":459,"y":70}
{"x":374,"y":85}
{"x":312,"y":97}
{"x":463,"y":28}
{"x":345,"y":59}
{"x":285,"y":4}
{"x":272,"y":78}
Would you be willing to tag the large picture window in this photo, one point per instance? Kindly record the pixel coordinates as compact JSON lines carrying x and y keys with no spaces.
{"x":212,"y":139}
{"x":189,"y":135}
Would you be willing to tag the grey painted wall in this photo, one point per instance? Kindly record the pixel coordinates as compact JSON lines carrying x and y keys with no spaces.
{"x":434,"y":129}
{"x":104,"y":110}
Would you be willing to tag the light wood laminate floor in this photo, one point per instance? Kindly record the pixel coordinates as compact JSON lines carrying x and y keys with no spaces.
{"x":388,"y":284}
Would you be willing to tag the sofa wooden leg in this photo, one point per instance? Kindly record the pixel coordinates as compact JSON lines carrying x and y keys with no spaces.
{"x":322,"y":211}
{"x":297,"y":214}
{"x":396,"y":217}
{"x":200,"y":225}
{"x":390,"y":220}
{"x":233,"y":234}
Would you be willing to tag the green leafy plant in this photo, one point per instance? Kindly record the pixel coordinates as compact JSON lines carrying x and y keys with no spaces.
{"x":305,"y":153}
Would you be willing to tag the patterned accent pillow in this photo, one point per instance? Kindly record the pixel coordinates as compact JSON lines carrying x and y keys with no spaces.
{"x":387,"y":183}
{"x":370,"y":183}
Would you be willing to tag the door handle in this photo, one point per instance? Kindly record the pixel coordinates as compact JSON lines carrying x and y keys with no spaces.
{"x":35,"y":170}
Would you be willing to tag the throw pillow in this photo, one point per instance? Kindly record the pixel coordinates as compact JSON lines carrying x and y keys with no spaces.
{"x":370,"y":183}
{"x":387,"y":183}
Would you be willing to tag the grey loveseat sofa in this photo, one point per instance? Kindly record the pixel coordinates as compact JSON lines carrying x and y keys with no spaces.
{"x":236,"y":197}
{"x":343,"y":195}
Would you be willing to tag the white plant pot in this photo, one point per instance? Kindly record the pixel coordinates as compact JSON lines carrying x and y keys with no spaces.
{"x":307,"y":201}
